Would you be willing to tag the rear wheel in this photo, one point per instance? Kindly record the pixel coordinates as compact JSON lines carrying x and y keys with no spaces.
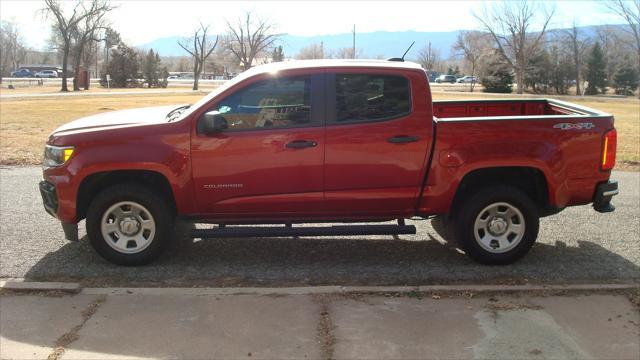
{"x":129,"y":225}
{"x":497,"y":225}
{"x":442,"y":226}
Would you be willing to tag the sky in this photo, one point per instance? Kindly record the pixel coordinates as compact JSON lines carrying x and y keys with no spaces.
{"x":140,"y":22}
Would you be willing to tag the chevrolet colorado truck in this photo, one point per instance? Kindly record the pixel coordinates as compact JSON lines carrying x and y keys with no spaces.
{"x":332,"y":141}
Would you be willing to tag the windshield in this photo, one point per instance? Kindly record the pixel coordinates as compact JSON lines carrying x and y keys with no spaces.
{"x":229,"y":83}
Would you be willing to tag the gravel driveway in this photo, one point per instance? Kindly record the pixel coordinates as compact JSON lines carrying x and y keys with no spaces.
{"x":577,"y":246}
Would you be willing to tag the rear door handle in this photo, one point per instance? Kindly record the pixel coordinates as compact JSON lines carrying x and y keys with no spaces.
{"x":301,"y":144}
{"x":402,"y":139}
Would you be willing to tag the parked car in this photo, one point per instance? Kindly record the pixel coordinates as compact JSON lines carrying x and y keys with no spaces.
{"x":446,"y":79}
{"x":328,"y":141}
{"x":22,"y":73}
{"x":47,"y":74}
{"x":467,"y":80}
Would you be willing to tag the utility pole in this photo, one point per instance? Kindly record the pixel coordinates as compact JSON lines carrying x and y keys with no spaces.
{"x":353,"y":54}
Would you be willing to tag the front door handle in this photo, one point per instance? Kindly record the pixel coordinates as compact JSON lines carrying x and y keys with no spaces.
{"x":402,"y":139}
{"x":301,"y":144}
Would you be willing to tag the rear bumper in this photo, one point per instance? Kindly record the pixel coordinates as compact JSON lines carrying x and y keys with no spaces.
{"x":604,"y":193}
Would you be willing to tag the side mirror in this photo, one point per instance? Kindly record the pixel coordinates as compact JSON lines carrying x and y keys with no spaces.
{"x":212,"y":122}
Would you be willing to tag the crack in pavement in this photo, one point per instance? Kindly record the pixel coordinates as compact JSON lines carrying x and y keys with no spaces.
{"x":69,"y":337}
{"x":324,"y":330}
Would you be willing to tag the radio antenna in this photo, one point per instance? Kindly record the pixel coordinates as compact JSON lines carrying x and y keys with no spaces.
{"x":405,"y":53}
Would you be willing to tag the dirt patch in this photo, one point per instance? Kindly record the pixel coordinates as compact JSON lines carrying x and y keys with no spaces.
{"x":634,"y":298}
{"x":324,"y":329}
{"x":48,"y":293}
{"x":495,"y":306}
{"x":72,"y":335}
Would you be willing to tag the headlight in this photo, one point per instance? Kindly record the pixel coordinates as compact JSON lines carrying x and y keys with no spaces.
{"x":56,"y":155}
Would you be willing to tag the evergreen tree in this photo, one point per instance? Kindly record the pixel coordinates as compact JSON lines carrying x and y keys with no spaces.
{"x":539,"y":72}
{"x":498,"y":79}
{"x":151,"y":69}
{"x":122,"y":67}
{"x":278,"y":54}
{"x":453,"y":71}
{"x":596,"y":71}
{"x":625,"y":80}
{"x":560,"y":71}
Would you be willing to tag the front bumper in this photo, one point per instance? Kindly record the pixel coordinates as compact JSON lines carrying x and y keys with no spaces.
{"x":50,"y":202}
{"x":604,"y":193}
{"x":49,"y":197}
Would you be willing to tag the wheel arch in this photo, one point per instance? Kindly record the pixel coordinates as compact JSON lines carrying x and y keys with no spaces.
{"x":532,"y":181}
{"x":92,"y":184}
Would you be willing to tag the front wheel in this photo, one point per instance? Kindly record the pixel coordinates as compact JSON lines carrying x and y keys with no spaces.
{"x":129,"y":225}
{"x":497,"y":225}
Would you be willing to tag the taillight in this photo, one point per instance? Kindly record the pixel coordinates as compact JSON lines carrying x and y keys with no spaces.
{"x":609,"y":150}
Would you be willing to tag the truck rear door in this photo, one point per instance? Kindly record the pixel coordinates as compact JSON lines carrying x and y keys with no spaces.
{"x":378,"y":136}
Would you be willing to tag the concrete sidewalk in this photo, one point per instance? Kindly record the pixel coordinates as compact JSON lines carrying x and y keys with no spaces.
{"x":199,"y":324}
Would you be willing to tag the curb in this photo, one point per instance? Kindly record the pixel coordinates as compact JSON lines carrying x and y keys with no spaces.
{"x":31,"y":286}
{"x":358,"y":289}
{"x":19,"y":285}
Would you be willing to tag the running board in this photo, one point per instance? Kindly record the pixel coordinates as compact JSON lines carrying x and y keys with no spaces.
{"x":340,"y":230}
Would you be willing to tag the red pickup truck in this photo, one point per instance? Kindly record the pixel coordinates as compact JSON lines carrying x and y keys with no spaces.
{"x":329,"y":141}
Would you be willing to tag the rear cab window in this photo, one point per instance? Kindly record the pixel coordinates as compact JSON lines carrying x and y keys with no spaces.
{"x":370,"y":97}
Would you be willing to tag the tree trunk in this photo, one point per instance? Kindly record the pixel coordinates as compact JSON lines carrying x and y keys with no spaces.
{"x":65,"y":62}
{"x":473,"y":71}
{"x":196,"y":75}
{"x":576,"y":62}
{"x":520,"y":81}
{"x":76,"y":72}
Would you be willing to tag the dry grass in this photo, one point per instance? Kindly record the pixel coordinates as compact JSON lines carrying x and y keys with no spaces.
{"x":53,"y":89}
{"x":25,"y":124}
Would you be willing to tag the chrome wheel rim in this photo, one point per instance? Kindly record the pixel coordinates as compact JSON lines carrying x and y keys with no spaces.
{"x":499,"y":227}
{"x":128,"y":227}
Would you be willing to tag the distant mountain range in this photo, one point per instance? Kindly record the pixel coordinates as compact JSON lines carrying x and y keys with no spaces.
{"x":380,"y":43}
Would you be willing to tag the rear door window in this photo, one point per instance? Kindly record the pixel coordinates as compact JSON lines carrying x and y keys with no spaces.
{"x":369,"y":97}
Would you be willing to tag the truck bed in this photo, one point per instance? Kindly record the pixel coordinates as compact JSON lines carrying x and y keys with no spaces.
{"x":564,"y":141}
{"x":517,"y":108}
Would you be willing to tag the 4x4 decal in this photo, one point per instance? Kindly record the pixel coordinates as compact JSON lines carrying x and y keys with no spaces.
{"x":570,"y":126}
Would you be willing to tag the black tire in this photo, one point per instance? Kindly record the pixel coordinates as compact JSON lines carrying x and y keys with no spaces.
{"x":157,"y":206}
{"x":442,"y":226}
{"x":470,"y":209}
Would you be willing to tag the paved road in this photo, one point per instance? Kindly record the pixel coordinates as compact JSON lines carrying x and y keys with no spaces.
{"x":578,"y":245}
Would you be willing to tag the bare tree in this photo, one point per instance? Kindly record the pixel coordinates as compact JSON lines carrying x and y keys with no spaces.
{"x":472,"y":46}
{"x":428,"y":57}
{"x":509,"y":24}
{"x":313,"y":51}
{"x":578,"y":48}
{"x":199,"y":46}
{"x":85,"y":35}
{"x":65,"y":24}
{"x":346,"y":53}
{"x":613,"y":47}
{"x":630,"y":12}
{"x":12,"y":50}
{"x":249,"y":37}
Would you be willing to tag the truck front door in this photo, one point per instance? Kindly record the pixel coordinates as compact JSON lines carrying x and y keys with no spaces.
{"x":269,"y":161}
